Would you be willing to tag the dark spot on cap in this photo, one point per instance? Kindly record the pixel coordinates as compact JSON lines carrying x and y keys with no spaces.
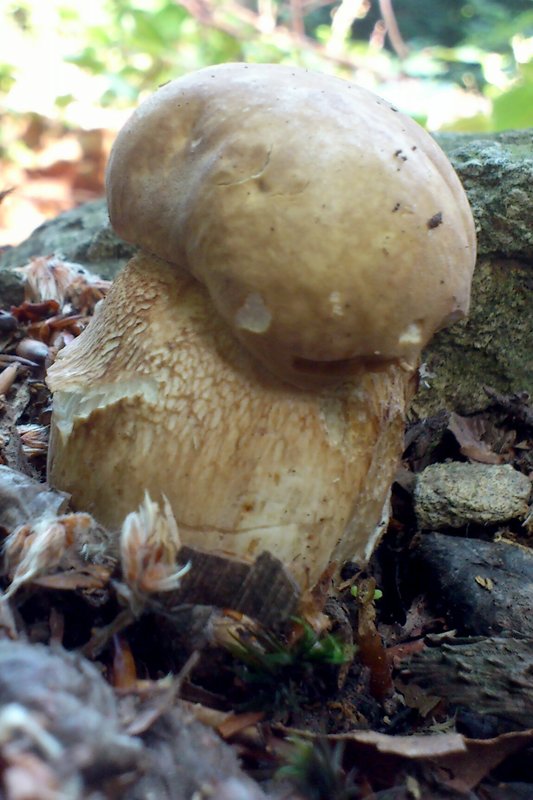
{"x":435,"y":220}
{"x":396,"y":207}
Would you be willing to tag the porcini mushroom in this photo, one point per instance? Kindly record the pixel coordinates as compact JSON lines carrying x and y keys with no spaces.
{"x":301,"y":241}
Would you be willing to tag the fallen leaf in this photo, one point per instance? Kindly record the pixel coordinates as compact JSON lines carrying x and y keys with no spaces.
{"x":486,"y":583}
{"x":462,"y":762}
{"x":469,"y":433}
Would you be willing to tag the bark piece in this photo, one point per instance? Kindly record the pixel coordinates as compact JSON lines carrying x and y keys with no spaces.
{"x":452,"y":495}
{"x":263,"y":590}
{"x":491,"y":676}
{"x":483,"y":587}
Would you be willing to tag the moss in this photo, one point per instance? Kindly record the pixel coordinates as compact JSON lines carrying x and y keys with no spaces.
{"x":494,"y":347}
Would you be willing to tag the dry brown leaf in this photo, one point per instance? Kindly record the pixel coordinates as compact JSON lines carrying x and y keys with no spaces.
{"x":462,"y":762}
{"x":469,"y":433}
{"x":93,"y":576}
{"x":235,"y":723}
{"x":466,"y":769}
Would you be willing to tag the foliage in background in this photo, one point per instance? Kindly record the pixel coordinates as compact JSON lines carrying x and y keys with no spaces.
{"x":461,"y":64}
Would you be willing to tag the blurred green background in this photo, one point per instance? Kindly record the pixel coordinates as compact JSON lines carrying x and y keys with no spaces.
{"x":453,"y":64}
{"x":71,"y":71}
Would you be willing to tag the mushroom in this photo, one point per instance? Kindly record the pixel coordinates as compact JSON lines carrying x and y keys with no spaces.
{"x":301,"y":241}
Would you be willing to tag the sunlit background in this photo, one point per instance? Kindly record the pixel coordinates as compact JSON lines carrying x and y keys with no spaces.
{"x":72,"y":70}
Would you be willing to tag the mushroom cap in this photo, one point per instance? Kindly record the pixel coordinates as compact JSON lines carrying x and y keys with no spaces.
{"x":330,"y":231}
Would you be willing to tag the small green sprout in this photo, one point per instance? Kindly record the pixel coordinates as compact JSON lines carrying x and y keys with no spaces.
{"x":378,"y":594}
{"x":279,"y":670}
{"x":315,"y":768}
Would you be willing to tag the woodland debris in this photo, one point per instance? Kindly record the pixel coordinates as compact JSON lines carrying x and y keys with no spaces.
{"x":444,"y":762}
{"x":490,"y":676}
{"x":51,"y":278}
{"x":61,"y":721}
{"x":188,"y":760}
{"x":518,"y":406}
{"x":155,"y":563}
{"x":470,"y":435}
{"x":452,"y":495}
{"x":371,"y":650}
{"x":66,"y":552}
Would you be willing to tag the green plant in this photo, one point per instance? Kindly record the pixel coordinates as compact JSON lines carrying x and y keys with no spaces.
{"x":470,"y":59}
{"x":315,"y":768}
{"x":378,"y":594}
{"x":279,"y":670}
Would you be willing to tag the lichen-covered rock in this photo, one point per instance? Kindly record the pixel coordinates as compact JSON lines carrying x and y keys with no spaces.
{"x":452,"y":495}
{"x":82,"y":235}
{"x":494,"y":346}
{"x":497,"y":173}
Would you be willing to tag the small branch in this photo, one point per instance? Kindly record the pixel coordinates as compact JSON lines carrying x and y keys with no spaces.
{"x":393,"y":31}
{"x":341,"y":25}
{"x":297,"y":18}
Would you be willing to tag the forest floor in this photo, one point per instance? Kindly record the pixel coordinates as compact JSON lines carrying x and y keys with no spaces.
{"x":420,"y":686}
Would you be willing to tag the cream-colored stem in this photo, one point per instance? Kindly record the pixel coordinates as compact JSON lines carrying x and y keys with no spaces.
{"x":157,"y":395}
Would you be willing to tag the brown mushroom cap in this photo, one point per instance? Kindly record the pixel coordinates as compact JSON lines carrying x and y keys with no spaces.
{"x":330,"y":230}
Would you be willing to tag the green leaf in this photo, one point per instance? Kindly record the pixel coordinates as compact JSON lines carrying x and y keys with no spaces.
{"x":514,"y":108}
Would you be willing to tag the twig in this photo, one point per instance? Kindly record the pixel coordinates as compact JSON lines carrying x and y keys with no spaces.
{"x":393,"y":31}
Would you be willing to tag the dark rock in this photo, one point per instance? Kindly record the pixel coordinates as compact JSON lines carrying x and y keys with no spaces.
{"x":484,"y":588}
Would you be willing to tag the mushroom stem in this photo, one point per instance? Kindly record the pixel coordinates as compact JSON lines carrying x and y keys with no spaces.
{"x":248,"y":463}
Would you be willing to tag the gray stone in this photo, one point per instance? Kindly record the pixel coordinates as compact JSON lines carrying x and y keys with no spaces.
{"x":454,"y":494}
{"x":497,"y":173}
{"x":83,"y":235}
{"x":494,"y":347}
